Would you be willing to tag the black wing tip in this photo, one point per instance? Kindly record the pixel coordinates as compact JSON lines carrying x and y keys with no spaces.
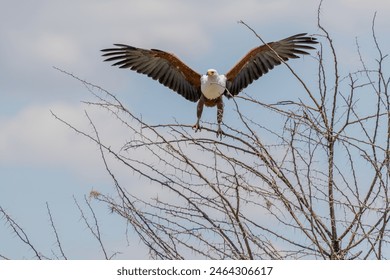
{"x":111,"y":54}
{"x":301,"y":38}
{"x":121,"y":47}
{"x":304,"y":38}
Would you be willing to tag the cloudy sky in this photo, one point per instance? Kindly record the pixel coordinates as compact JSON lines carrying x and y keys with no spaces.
{"x":43,"y":161}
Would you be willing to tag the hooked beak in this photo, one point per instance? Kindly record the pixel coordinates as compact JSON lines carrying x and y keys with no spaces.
{"x":210,"y":73}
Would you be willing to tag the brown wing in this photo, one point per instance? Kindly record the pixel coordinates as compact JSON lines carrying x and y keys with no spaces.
{"x":263,"y":58}
{"x":159,"y":65}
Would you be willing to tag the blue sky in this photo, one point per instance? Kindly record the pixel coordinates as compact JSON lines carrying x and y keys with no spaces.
{"x":43,"y":161}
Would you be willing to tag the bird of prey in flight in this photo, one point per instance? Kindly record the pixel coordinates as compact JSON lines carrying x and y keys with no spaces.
{"x":209,"y":88}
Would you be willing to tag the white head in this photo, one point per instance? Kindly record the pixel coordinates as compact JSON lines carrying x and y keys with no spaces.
{"x":212,"y":73}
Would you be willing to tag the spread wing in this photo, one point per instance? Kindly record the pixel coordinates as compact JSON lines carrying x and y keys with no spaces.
{"x":159,"y":65}
{"x":260,"y":60}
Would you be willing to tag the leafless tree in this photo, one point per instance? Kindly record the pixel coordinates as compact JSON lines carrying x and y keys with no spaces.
{"x":314,"y":187}
{"x":57,"y":252}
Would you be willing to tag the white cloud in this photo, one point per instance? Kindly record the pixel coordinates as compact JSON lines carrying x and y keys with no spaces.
{"x":34,"y":137}
{"x":56,"y":49}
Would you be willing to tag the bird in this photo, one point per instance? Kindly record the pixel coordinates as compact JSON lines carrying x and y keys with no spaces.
{"x":208,"y":89}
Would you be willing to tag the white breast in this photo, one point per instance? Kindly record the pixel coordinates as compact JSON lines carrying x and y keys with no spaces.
{"x":213,"y":86}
